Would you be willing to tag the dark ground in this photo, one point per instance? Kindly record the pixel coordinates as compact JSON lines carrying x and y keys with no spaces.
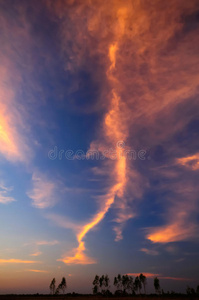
{"x":91,"y":297}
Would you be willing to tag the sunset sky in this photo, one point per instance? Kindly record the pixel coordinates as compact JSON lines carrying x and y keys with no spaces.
{"x":99,"y":142}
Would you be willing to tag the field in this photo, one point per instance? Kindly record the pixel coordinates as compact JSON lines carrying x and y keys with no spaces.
{"x":90,"y":297}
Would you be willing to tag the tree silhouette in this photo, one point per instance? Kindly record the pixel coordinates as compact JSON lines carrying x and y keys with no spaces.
{"x":63,"y":285}
{"x":190,"y":291}
{"x":52,"y":286}
{"x":118,"y":283}
{"x":197,"y":290}
{"x":115,"y":282}
{"x":156,"y":285}
{"x":96,"y":285}
{"x":137,"y":284}
{"x":58,"y":290}
{"x":143,"y":281}
{"x":107,"y":284}
{"x":130,"y":285}
{"x":125,"y":280}
{"x":102,"y":283}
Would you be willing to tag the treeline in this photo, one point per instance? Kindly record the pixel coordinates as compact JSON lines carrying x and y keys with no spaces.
{"x":127,"y":285}
{"x":124,"y":284}
{"x":192,"y":291}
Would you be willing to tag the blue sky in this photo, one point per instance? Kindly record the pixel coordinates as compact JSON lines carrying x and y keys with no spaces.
{"x":99,"y":142}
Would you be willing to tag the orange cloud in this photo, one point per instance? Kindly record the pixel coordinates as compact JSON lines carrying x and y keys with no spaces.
{"x":172,"y":233}
{"x":13,"y":142}
{"x":79,"y":257}
{"x":191,"y":162}
{"x":180,"y":217}
{"x":176,"y":228}
{"x":115,"y":134}
{"x":36,"y":253}
{"x":79,"y":253}
{"x":17,"y":261}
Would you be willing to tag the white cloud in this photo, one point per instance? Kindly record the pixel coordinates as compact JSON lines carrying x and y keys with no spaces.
{"x":4,"y":197}
{"x":43,"y":193}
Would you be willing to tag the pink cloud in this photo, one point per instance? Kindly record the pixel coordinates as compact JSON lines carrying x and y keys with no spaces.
{"x":38,"y":271}
{"x":153,"y":275}
{"x":149,"y":251}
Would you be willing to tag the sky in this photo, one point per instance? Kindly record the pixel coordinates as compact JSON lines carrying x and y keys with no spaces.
{"x":99,"y":147}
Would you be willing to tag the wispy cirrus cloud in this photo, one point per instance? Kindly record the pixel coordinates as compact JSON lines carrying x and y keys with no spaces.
{"x":144,"y":86}
{"x":114,"y":132}
{"x":42,"y":243}
{"x":78,"y":257}
{"x":180,"y":210}
{"x":149,"y":251}
{"x":36,"y":253}
{"x":191,"y":161}
{"x":79,"y":254}
{"x":48,"y":243}
{"x":13,"y":128}
{"x":43,"y":193}
{"x":13,"y":143}
{"x":17,"y":261}
{"x":173,"y":232}
{"x":4,"y":194}
{"x":63,"y":222}
{"x":38,"y":271}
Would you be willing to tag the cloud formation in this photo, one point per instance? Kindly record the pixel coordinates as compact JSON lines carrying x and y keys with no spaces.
{"x":191,"y":162}
{"x":4,"y":197}
{"x":149,"y":251}
{"x":63,"y":222}
{"x":13,"y":129}
{"x":17,"y":261}
{"x":43,"y":194}
{"x":149,"y":74}
{"x":48,"y":243}
{"x":36,"y":253}
{"x":145,"y":62}
{"x":181,"y":208}
{"x":38,"y":271}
